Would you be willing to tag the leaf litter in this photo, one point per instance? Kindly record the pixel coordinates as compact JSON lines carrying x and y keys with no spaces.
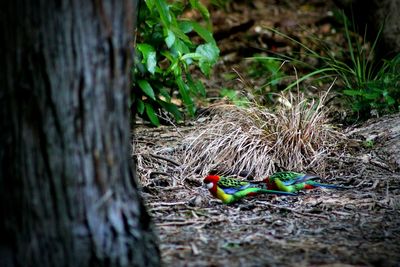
{"x":320,"y":227}
{"x":358,"y":227}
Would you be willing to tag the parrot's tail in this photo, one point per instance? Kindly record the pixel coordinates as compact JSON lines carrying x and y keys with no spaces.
{"x":332,"y":186}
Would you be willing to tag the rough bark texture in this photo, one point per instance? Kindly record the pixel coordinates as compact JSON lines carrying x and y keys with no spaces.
{"x":67,"y":189}
{"x":373,"y":13}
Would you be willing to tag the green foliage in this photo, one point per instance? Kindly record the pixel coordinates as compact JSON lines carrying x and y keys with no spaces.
{"x":368,"y":144}
{"x":371,"y":86}
{"x":165,"y":54}
{"x":234,"y":97}
{"x":220,"y":3}
{"x":379,"y":93}
{"x":269,"y":69}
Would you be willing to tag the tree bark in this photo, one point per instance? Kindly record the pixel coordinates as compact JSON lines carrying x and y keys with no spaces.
{"x":68,"y":193}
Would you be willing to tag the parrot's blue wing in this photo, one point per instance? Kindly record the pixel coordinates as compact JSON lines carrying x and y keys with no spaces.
{"x":233,"y":190}
{"x":230,"y":190}
{"x":299,"y":179}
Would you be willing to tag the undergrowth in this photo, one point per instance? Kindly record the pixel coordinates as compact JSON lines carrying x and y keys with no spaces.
{"x":371,"y":87}
{"x":168,"y":46}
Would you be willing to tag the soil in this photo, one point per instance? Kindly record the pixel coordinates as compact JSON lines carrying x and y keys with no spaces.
{"x":321,"y":227}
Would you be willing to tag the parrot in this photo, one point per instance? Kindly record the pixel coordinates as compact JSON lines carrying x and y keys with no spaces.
{"x":293,"y":181}
{"x":230,"y":190}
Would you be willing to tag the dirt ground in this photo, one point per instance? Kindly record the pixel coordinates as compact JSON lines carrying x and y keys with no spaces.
{"x":320,"y":227}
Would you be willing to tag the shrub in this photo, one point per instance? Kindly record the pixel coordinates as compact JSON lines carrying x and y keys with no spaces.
{"x":165,"y":53}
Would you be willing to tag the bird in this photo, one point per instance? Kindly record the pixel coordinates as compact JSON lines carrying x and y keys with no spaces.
{"x":289,"y":181}
{"x":230,"y":190}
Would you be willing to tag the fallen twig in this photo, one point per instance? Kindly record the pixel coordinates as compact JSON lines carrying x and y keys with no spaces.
{"x":167,"y":203}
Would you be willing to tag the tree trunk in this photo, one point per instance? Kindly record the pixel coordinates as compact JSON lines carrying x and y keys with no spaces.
{"x":68,"y":192}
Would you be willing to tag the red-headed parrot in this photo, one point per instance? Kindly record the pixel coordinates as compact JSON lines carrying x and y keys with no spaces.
{"x":230,"y":190}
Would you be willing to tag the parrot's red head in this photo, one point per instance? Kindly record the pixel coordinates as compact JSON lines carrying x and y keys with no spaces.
{"x":211,"y":180}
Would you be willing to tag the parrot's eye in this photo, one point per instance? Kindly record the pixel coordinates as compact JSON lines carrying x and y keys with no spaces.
{"x":209,"y":185}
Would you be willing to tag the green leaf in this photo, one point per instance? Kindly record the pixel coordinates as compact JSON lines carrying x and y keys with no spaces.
{"x":191,"y":85}
{"x":371,"y":96}
{"x":200,"y":88}
{"x":205,"y":67}
{"x":390,"y":100}
{"x":152,"y":115}
{"x":151,"y":62}
{"x":165,"y":94}
{"x":183,"y":91}
{"x":185,"y":26}
{"x":203,"y":32}
{"x":210,"y":53}
{"x":145,"y":49}
{"x":200,"y":7}
{"x":229,"y":93}
{"x":169,"y":56}
{"x":180,"y":34}
{"x":150,"y":4}
{"x":352,"y":92}
{"x":170,"y":40}
{"x":196,"y":87}
{"x":174,"y":68}
{"x":149,"y":56}
{"x":163,"y":10}
{"x":146,"y":88}
{"x":140,"y":106}
{"x":177,"y":7}
{"x":195,"y":56}
{"x":171,"y":108}
{"x":179,"y":47}
{"x":165,"y":53}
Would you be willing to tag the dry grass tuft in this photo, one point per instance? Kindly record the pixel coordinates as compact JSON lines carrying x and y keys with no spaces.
{"x":297,"y":136}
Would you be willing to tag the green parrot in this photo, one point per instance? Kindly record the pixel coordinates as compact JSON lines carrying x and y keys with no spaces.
{"x":294,"y":181}
{"x":230,"y":190}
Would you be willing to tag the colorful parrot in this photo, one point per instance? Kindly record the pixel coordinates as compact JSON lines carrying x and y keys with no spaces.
{"x":230,"y":190}
{"x":294,"y":181}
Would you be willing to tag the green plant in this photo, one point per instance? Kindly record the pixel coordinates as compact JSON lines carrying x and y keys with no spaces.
{"x":370,"y":85}
{"x":379,"y":93}
{"x":368,"y":144}
{"x":220,"y":3}
{"x":165,"y":55}
{"x":270,"y":70}
{"x":235,"y":97}
{"x":296,"y":61}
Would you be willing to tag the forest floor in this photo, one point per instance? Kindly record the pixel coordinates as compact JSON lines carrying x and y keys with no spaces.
{"x":320,"y":227}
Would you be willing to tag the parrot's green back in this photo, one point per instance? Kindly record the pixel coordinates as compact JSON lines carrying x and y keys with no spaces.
{"x":291,"y":176}
{"x":295,"y":181}
{"x":231,"y":182}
